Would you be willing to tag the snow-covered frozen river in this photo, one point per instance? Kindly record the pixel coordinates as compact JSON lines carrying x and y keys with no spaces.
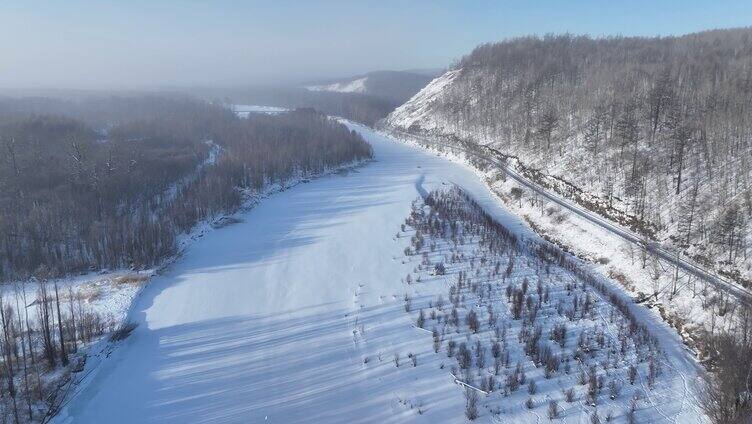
{"x":256,"y":322}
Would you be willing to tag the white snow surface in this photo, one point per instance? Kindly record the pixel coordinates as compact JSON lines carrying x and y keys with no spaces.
{"x":271,"y":319}
{"x":243,"y":110}
{"x":418,"y":108}
{"x":354,"y":86}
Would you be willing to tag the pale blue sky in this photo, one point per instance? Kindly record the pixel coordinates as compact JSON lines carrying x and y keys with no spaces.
{"x":152,"y":43}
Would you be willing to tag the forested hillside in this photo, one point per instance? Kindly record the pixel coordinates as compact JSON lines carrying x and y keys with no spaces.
{"x":111,"y":182}
{"x":655,"y":129}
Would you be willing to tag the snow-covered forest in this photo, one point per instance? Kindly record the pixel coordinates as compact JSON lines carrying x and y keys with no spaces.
{"x":93,"y":192}
{"x":654,"y":132}
{"x":651,"y":134}
{"x":529,"y":331}
{"x":376,"y":212}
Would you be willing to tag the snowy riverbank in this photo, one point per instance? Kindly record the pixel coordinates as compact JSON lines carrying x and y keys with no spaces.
{"x":272,"y":318}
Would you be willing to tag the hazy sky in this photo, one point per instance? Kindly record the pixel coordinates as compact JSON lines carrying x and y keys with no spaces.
{"x":153,"y":43}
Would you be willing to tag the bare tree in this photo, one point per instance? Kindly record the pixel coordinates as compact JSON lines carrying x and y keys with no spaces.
{"x":61,"y":334}
{"x":471,"y":404}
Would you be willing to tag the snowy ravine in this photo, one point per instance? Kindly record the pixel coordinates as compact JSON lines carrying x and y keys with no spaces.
{"x":295,"y":314}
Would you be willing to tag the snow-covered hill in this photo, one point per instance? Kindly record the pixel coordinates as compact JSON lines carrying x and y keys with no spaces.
{"x":395,"y":86}
{"x":354,"y":86}
{"x":638,"y":135}
{"x":440,"y":112}
{"x":418,"y":111}
{"x":296,"y":314}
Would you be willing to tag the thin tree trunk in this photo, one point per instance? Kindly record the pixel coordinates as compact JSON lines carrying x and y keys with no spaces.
{"x":63,"y":354}
{"x":23,"y":350}
{"x":73,"y":318}
{"x":31,"y":346}
{"x":8,"y":360}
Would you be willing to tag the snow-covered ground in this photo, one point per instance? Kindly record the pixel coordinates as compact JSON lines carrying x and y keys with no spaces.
{"x":354,"y":86}
{"x":243,"y":110}
{"x":295,"y":313}
{"x":418,"y":109}
{"x":107,"y":294}
{"x":571,"y":325}
{"x":690,"y":304}
{"x":693,"y":305}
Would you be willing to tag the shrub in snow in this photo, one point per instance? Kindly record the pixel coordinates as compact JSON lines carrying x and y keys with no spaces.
{"x":472,"y":321}
{"x":413,"y":358}
{"x":512,"y":382}
{"x":123,"y":331}
{"x":631,"y":419}
{"x":531,"y":387}
{"x":480,"y":360}
{"x":529,"y":403}
{"x":463,"y":357}
{"x":553,"y":409}
{"x":632,"y":374}
{"x":471,"y":405}
{"x":613,"y":389}
{"x":421,"y":321}
{"x":569,"y":395}
{"x":495,"y":349}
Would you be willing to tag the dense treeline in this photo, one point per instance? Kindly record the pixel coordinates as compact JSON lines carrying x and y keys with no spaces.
{"x":363,"y":108}
{"x":102,"y":110}
{"x":728,"y":394}
{"x":74,"y":196}
{"x":657,"y":127}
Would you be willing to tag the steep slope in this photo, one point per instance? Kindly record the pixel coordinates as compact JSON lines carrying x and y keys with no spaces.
{"x":655,"y":132}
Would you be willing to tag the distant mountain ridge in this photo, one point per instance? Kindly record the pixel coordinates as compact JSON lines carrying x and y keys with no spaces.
{"x":397,"y":86}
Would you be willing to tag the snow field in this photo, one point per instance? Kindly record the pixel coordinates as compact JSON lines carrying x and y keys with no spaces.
{"x":296,"y":314}
{"x":354,"y":86}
